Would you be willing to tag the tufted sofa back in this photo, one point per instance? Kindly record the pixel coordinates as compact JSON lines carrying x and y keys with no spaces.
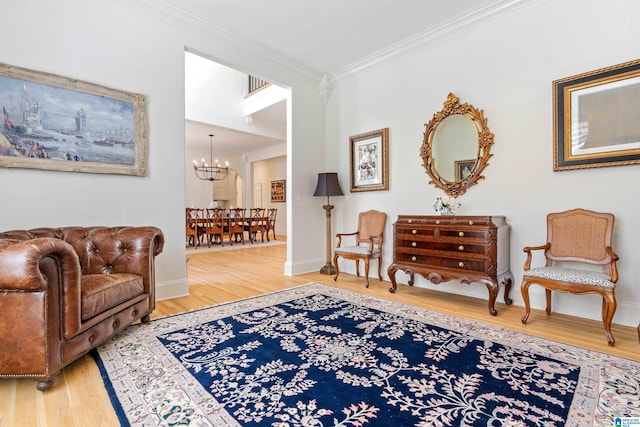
{"x":103,"y":250}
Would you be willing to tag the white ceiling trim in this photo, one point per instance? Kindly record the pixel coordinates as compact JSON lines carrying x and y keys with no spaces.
{"x":265,"y":153}
{"x":173,"y":11}
{"x":453,"y":28}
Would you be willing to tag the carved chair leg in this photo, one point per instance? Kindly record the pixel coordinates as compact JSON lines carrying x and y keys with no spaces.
{"x":335,"y":263}
{"x":608,"y":310}
{"x":357,"y":268}
{"x":366,"y":272}
{"x":380,"y":268}
{"x":524,"y":289}
{"x":547,"y":293}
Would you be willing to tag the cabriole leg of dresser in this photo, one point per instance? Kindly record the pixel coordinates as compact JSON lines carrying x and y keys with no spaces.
{"x":493,"y":295}
{"x":391,"y":271}
{"x":506,"y":279}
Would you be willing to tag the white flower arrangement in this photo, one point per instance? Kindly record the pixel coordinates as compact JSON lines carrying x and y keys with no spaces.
{"x":446,"y":205}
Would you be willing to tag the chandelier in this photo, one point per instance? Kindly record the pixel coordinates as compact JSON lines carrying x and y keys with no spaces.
{"x":211,"y":171}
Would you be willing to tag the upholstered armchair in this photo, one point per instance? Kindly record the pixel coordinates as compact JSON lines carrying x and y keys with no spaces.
{"x":366,"y":243}
{"x":63,"y":291}
{"x":583,"y":238}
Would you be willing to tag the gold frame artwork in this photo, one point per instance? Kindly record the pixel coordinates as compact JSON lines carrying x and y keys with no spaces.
{"x":57,"y":123}
{"x":597,"y":118}
{"x":278,"y":190}
{"x":461,"y":165}
{"x":369,"y":161}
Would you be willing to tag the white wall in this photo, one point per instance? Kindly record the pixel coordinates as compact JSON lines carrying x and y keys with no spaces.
{"x":216,"y":92}
{"x":264,"y":172}
{"x":139,"y":47}
{"x":507,"y":69}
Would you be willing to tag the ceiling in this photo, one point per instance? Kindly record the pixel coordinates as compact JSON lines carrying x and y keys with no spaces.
{"x":330,"y":36}
{"x":324,"y":36}
{"x":227,"y":142}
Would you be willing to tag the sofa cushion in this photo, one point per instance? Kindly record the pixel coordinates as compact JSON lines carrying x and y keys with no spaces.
{"x":100,"y":292}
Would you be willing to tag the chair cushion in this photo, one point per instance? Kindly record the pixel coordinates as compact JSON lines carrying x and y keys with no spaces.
{"x":360,"y":250}
{"x":100,"y":292}
{"x":571,"y":275}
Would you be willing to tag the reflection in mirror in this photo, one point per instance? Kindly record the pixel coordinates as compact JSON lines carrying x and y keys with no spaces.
{"x":455,"y":140}
{"x":456,"y":147}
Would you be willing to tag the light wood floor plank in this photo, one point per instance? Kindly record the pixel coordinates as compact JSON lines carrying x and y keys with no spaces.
{"x":79,"y":398}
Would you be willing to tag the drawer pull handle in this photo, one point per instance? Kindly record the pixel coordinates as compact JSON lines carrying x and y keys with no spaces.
{"x":461,"y":264}
{"x":461,"y":248}
{"x":409,"y":221}
{"x":470,"y":222}
{"x":413,"y":258}
{"x":414,"y":231}
{"x":437,"y":221}
{"x":461,"y":234}
{"x":414,"y":244}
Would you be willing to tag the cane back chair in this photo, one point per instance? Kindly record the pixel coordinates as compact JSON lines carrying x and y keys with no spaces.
{"x":368,"y":243}
{"x":582,"y":238}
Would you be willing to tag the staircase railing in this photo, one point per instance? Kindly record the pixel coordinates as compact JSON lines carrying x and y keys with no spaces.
{"x":255,"y":84}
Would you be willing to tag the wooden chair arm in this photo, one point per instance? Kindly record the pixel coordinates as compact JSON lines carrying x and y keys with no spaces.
{"x":529,"y":249}
{"x":613,"y":267}
{"x":339,"y":236}
{"x":372,"y":241}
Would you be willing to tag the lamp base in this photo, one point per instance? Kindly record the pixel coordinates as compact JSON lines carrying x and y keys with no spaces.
{"x":328,"y":269}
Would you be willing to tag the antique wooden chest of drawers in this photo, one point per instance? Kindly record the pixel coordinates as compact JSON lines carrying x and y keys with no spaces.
{"x":443,"y":248}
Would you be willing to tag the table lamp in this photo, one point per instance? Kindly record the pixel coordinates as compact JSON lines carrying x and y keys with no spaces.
{"x":328,"y":186}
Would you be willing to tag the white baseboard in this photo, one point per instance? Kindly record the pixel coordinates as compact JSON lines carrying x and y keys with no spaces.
{"x":173,"y":289}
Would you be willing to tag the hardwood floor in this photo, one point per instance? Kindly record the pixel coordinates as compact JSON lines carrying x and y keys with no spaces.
{"x":78,"y":398}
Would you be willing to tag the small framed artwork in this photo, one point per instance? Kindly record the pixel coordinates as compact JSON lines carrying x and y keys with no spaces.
{"x":369,"y":161}
{"x":57,"y":123}
{"x":463,"y":168}
{"x":597,"y":118}
{"x":278,"y":192}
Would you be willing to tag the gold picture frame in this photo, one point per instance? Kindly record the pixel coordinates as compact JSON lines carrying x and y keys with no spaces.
{"x":463,"y":169}
{"x":278,"y":190}
{"x":57,"y":123}
{"x":597,"y":118}
{"x":369,"y":161}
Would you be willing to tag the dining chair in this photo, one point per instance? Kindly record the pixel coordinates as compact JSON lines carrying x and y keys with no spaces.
{"x":255,"y":223}
{"x":271,"y":223}
{"x":368,"y":243}
{"x":215,"y":226}
{"x":236,"y":225}
{"x":582,"y":238}
{"x":194,"y":224}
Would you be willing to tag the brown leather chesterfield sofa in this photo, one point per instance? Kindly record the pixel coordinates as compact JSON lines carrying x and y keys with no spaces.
{"x":64,"y":291}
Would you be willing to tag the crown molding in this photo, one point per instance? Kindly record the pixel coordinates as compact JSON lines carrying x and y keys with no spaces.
{"x":178,"y":17}
{"x":266,"y":153}
{"x":453,"y":28}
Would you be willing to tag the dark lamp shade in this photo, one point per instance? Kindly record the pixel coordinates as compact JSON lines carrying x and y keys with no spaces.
{"x":328,"y":185}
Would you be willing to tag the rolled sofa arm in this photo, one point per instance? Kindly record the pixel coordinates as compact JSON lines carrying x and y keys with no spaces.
{"x":21,"y":269}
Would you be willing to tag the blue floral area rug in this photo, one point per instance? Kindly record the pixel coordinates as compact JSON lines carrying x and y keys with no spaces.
{"x":316,"y":355}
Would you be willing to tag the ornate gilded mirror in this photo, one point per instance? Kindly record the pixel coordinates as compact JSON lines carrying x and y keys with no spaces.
{"x":456,"y":147}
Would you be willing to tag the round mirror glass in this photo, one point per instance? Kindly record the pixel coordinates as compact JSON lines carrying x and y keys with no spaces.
{"x":455,"y":147}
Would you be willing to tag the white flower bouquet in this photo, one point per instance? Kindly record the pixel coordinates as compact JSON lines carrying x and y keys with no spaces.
{"x":446,"y":205}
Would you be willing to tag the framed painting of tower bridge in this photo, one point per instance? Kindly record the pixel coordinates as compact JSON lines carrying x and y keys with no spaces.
{"x":57,"y":123}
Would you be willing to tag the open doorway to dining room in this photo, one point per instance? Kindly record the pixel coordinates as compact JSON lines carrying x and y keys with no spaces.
{"x":228,"y":120}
